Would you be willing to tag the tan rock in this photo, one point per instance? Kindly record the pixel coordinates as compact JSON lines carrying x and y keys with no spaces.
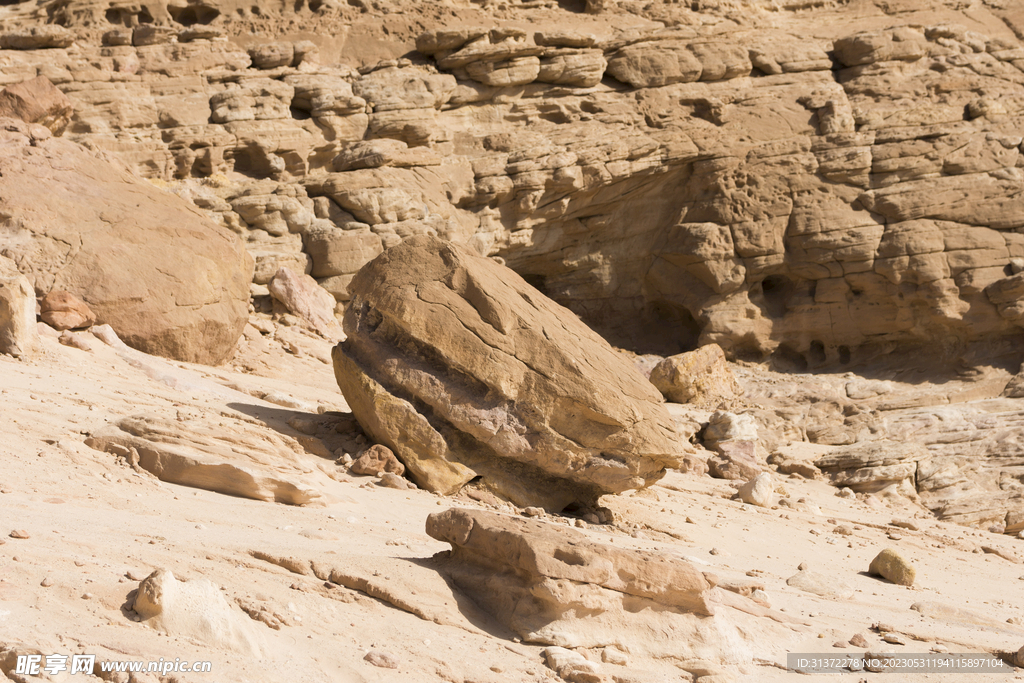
{"x":18,"y":334}
{"x":891,"y":566}
{"x":598,"y":427}
{"x":64,"y":311}
{"x":873,"y":466}
{"x":195,"y":609}
{"x":36,"y":38}
{"x":758,"y":491}
{"x":37,"y":101}
{"x":702,"y":377}
{"x":301,"y":295}
{"x":551,"y":585}
{"x":196,"y":453}
{"x":168,"y":280}
{"x":376,"y":459}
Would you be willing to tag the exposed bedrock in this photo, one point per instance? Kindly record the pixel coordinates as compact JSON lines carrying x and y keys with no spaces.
{"x":816,"y":193}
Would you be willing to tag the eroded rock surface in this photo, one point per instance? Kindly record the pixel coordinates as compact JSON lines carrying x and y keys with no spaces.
{"x":551,"y":585}
{"x":465,"y":370}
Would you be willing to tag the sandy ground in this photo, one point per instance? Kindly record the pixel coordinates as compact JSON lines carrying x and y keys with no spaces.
{"x":96,"y":527}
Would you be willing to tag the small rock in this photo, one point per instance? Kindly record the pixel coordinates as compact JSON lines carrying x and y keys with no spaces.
{"x":393,"y":481}
{"x":1005,"y":554}
{"x":839,"y":644}
{"x":46,"y":583}
{"x":1018,"y":658}
{"x":381,"y":659}
{"x":906,"y":524}
{"x":533,"y":512}
{"x":87,"y":596}
{"x":570,"y":665}
{"x":846,"y":492}
{"x":894,"y":638}
{"x":610,"y":655}
{"x":803,"y":566}
{"x":761,"y":598}
{"x":19,"y":533}
{"x":377,"y":459}
{"x":890,"y":565}
{"x":893,"y":536}
{"x":843,"y":530}
{"x":858,"y":640}
{"x":758,"y":491}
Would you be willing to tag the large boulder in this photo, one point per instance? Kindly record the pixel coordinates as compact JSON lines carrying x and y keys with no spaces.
{"x":146,"y":262}
{"x":37,"y":100}
{"x":464,"y":370}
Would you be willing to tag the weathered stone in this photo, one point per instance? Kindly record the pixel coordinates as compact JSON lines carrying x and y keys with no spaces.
{"x":18,"y":334}
{"x":891,"y":566}
{"x":37,"y":38}
{"x":198,"y":454}
{"x":827,"y":586}
{"x":37,"y":101}
{"x":702,"y":377}
{"x":166,"y":279}
{"x":758,"y":491}
{"x":873,"y":466}
{"x":301,"y":295}
{"x":65,"y":311}
{"x":507,"y":385}
{"x":551,"y":585}
{"x":735,"y":460}
{"x":197,"y":610}
{"x":376,"y":459}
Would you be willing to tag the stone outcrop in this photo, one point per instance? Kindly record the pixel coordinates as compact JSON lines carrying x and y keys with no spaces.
{"x":874,"y":466}
{"x":237,"y":460}
{"x":551,"y":585}
{"x":166,"y":279}
{"x":195,"y":609}
{"x":18,"y":336}
{"x":37,"y":101}
{"x":702,"y":377}
{"x":64,"y":311}
{"x":464,"y":370}
{"x":677,"y":186}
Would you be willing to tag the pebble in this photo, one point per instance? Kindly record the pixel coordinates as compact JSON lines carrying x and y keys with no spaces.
{"x":46,"y":583}
{"x":381,"y":659}
{"x":858,"y":640}
{"x":839,"y":644}
{"x":843,"y":530}
{"x":894,"y":638}
{"x":803,"y":566}
{"x":19,"y":533}
{"x":87,"y":596}
{"x":533,"y":512}
{"x":714,"y":551}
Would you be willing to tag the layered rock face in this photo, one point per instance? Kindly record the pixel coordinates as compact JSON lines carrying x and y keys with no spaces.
{"x":792,"y":186}
{"x":466,"y":371}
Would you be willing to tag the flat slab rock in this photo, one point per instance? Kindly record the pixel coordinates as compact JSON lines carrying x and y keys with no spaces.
{"x":552,"y":585}
{"x":215,"y":457}
{"x":464,"y":370}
